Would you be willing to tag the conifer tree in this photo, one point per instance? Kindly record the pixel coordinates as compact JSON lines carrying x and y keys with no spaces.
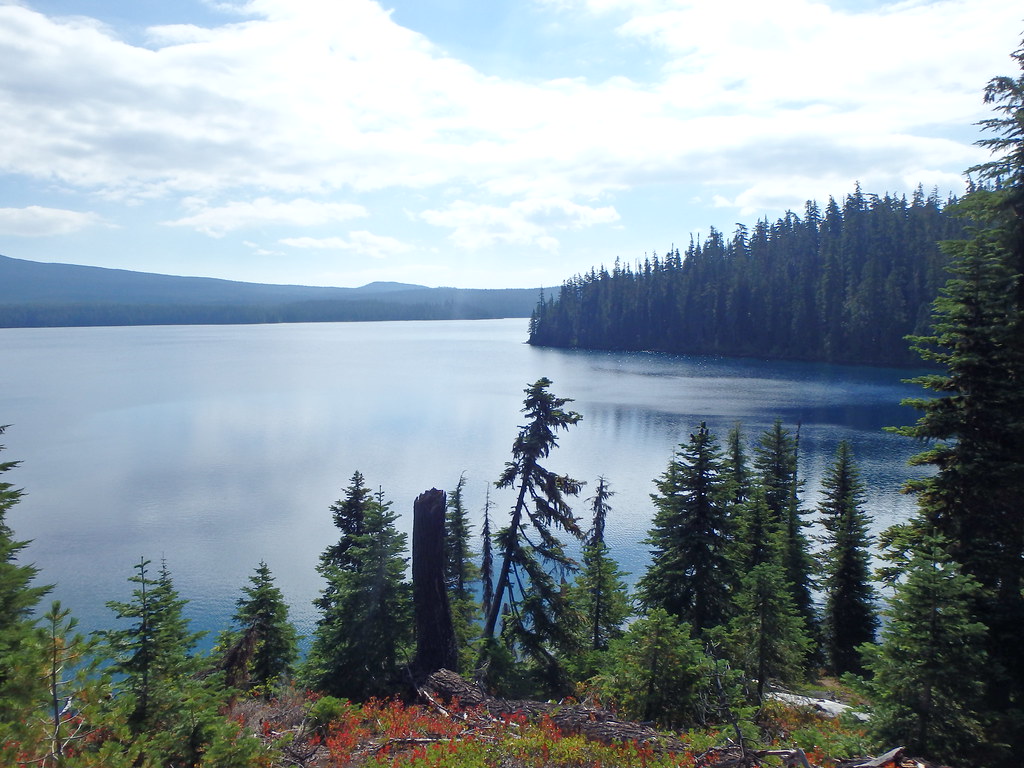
{"x":655,"y":671}
{"x":767,"y":636}
{"x":459,"y":567}
{"x":975,"y":424}
{"x":20,"y":639}
{"x":460,"y":571}
{"x":599,"y":592}
{"x":758,"y":536}
{"x":775,"y":459}
{"x":174,"y":715}
{"x":691,"y":572}
{"x":486,"y":559}
{"x":349,"y":514}
{"x":928,"y":673}
{"x":77,"y":693}
{"x":539,"y":620}
{"x":602,"y":592}
{"x":154,"y":654}
{"x":366,"y":622}
{"x":736,"y":469}
{"x":850,"y":617}
{"x":264,"y":637}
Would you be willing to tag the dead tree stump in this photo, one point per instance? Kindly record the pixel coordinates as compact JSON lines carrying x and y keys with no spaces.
{"x":435,"y":635}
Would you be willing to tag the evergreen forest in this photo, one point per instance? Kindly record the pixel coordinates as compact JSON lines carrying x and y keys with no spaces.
{"x":842,"y":285}
{"x":742,"y":600}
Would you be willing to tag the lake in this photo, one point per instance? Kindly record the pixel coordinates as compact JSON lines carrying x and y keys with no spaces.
{"x":214,"y":447}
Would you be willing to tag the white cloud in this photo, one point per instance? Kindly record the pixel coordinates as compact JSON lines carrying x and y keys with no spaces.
{"x":525,"y":222}
{"x":313,"y":96}
{"x":259,"y":250}
{"x":264,"y":211}
{"x":287,"y":107}
{"x":360,"y":242}
{"x":36,"y":221}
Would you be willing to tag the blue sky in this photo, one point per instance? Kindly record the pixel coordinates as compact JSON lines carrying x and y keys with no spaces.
{"x":506,"y":143}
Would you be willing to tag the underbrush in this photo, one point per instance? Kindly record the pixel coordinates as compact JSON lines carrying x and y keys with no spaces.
{"x":310,"y":732}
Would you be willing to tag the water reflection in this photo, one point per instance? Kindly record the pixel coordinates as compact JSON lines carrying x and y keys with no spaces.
{"x":216,"y":447}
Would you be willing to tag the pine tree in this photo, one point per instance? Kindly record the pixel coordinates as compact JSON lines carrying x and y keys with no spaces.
{"x":928,"y":672}
{"x":265,"y":644}
{"x":975,"y":424}
{"x":539,"y":621}
{"x":599,"y":592}
{"x":349,"y":515}
{"x":758,"y":536}
{"x":73,"y":722}
{"x":691,"y":572}
{"x":602,"y":591}
{"x":77,"y":692}
{"x":20,"y":639}
{"x":154,"y":655}
{"x":850,"y":618}
{"x":173,"y":712}
{"x":486,"y":559}
{"x":655,"y":671}
{"x":767,"y":637}
{"x":736,"y":469}
{"x":459,"y":567}
{"x":775,"y":459}
{"x":366,"y":622}
{"x":461,"y":572}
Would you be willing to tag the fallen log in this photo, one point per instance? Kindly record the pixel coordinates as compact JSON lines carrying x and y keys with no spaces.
{"x":893,"y":758}
{"x":591,"y":722}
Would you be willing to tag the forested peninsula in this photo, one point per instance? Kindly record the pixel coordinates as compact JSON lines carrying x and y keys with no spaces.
{"x":842,"y":285}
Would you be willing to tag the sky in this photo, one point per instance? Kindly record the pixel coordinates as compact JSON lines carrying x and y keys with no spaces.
{"x":467,"y":143}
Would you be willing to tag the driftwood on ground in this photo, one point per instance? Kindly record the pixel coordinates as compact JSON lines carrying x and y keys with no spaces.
{"x":445,"y":686}
{"x":894,"y":758}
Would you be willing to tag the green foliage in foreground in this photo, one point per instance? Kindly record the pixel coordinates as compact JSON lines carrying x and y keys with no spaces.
{"x":927,"y":675}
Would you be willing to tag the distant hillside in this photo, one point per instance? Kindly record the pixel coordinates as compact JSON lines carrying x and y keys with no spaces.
{"x":34,"y":294}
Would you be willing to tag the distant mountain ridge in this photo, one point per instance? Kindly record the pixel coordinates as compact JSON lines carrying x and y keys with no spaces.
{"x":34,"y":294}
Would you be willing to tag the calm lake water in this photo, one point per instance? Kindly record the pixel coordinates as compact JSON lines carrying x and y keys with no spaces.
{"x":217,"y":446}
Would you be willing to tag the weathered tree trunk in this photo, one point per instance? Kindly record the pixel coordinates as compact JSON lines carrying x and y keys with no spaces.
{"x":435,"y":635}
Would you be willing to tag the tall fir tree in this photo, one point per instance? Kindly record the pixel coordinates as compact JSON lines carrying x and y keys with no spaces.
{"x":155,"y":654}
{"x":736,"y":469}
{"x":767,"y":637}
{"x":538,"y":620}
{"x":20,"y":639}
{"x":927,"y":674}
{"x":599,"y":592}
{"x":486,"y":559}
{"x":365,"y":625}
{"x":758,"y":535}
{"x":850,"y":617}
{"x":603,"y":592}
{"x":174,"y":713}
{"x":691,"y":572}
{"x":264,"y":643}
{"x":461,"y":573}
{"x":348,"y":514}
{"x":975,"y":423}
{"x":655,"y":671}
{"x":776,"y":461}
